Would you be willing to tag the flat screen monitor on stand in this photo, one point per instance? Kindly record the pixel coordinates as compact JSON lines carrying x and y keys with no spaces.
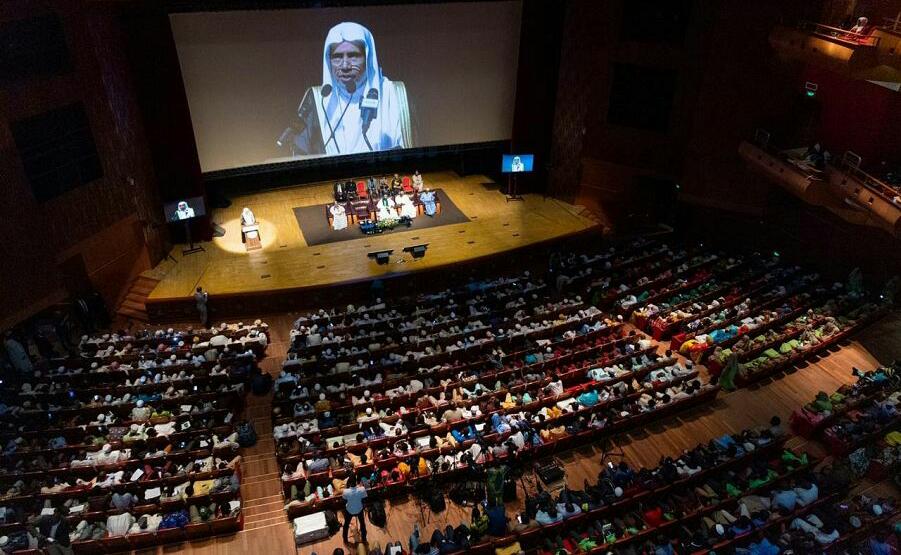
{"x":513,"y":165}
{"x":182,"y":211}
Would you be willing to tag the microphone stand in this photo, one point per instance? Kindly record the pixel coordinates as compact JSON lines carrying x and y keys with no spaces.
{"x":329,"y":123}
{"x":512,"y":189}
{"x":192,"y":248}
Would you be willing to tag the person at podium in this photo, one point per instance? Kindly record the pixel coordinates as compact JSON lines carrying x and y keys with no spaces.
{"x":249,"y":227}
{"x":356,"y":109}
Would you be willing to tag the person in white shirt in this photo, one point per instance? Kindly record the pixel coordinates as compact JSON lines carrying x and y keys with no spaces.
{"x":339,"y":216}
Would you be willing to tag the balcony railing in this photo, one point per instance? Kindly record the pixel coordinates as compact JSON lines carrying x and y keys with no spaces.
{"x":851,"y":166}
{"x":795,"y":157}
{"x":892,"y":24}
{"x":839,"y":34}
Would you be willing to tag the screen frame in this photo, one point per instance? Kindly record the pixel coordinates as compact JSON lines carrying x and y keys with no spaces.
{"x":289,"y":164}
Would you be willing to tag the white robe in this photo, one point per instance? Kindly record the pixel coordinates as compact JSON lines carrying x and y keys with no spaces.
{"x":406,"y":206}
{"x":386,"y":129}
{"x":339,"y":217}
{"x":387,"y":210}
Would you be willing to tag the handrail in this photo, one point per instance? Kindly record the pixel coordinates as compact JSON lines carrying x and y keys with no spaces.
{"x":837,"y":33}
{"x":850,"y":165}
{"x":892,"y":23}
{"x":889,"y":194}
{"x":762,"y":141}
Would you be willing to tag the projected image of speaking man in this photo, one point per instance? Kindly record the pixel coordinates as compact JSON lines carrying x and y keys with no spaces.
{"x":356,"y":109}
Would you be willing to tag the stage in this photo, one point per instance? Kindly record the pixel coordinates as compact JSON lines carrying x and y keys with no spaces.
{"x":286,"y":264}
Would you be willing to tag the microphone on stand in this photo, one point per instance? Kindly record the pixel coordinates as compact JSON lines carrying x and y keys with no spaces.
{"x":340,"y":119}
{"x":325,"y":91}
{"x":296,"y":127}
{"x":369,"y":109}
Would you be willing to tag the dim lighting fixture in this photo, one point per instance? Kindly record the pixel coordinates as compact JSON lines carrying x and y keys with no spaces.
{"x":811,"y":89}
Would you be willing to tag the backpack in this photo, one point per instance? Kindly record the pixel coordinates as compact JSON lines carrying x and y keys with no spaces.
{"x":436,"y":501}
{"x":261,"y":384}
{"x":247,"y":436}
{"x":377,"y":514}
{"x":331,"y":520}
{"x":509,"y":489}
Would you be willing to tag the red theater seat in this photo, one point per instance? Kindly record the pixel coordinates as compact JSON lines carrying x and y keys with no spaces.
{"x":361,"y":190}
{"x":407,"y":184}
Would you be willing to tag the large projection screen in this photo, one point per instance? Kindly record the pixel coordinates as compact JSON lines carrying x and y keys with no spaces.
{"x":304,"y":78}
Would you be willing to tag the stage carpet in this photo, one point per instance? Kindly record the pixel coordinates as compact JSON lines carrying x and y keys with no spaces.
{"x":316,"y":231}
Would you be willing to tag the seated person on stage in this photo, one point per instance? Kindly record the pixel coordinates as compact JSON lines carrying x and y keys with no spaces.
{"x":396,"y":183}
{"x":405,"y":203}
{"x":249,"y":228}
{"x":372,"y":186}
{"x":387,"y":210}
{"x":862,"y":27}
{"x":428,"y":200}
{"x":340,"y":195}
{"x":339,"y":216}
{"x":417,"y":181}
{"x":383,"y":185}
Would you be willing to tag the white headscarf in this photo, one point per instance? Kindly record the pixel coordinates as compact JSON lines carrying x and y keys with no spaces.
{"x":247,"y":216}
{"x":353,"y":32}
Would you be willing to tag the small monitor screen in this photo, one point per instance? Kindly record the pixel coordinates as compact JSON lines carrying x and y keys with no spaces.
{"x":516,"y":163}
{"x":184,"y":209}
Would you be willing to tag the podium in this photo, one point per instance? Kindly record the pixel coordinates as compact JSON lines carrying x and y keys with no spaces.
{"x":251,"y":243}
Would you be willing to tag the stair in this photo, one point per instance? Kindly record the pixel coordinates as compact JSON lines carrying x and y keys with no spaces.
{"x":261,"y":486}
{"x":134,"y":306}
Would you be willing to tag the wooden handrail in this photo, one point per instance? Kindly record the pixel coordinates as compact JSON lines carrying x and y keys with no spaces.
{"x":838,"y":33}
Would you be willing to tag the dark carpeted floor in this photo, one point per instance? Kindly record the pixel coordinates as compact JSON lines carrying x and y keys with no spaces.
{"x":316,"y":231}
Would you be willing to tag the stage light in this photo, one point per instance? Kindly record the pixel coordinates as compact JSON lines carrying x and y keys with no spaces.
{"x":776,"y":254}
{"x":417,"y":251}
{"x":380,"y":257}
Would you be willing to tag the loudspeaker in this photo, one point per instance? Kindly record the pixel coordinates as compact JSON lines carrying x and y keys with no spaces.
{"x":381,"y":257}
{"x":417,"y":251}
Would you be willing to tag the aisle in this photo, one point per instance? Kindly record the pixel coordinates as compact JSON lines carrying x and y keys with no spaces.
{"x":265,"y":519}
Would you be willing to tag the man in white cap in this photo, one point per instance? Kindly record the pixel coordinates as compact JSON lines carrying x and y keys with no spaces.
{"x":357,"y":109}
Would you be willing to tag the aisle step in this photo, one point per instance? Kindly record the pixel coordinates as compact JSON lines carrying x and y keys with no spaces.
{"x":261,"y":478}
{"x":279,"y":519}
{"x":268,"y":509}
{"x":259,"y":501}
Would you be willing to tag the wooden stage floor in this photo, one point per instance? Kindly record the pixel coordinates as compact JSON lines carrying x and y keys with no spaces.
{"x":286,"y":262}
